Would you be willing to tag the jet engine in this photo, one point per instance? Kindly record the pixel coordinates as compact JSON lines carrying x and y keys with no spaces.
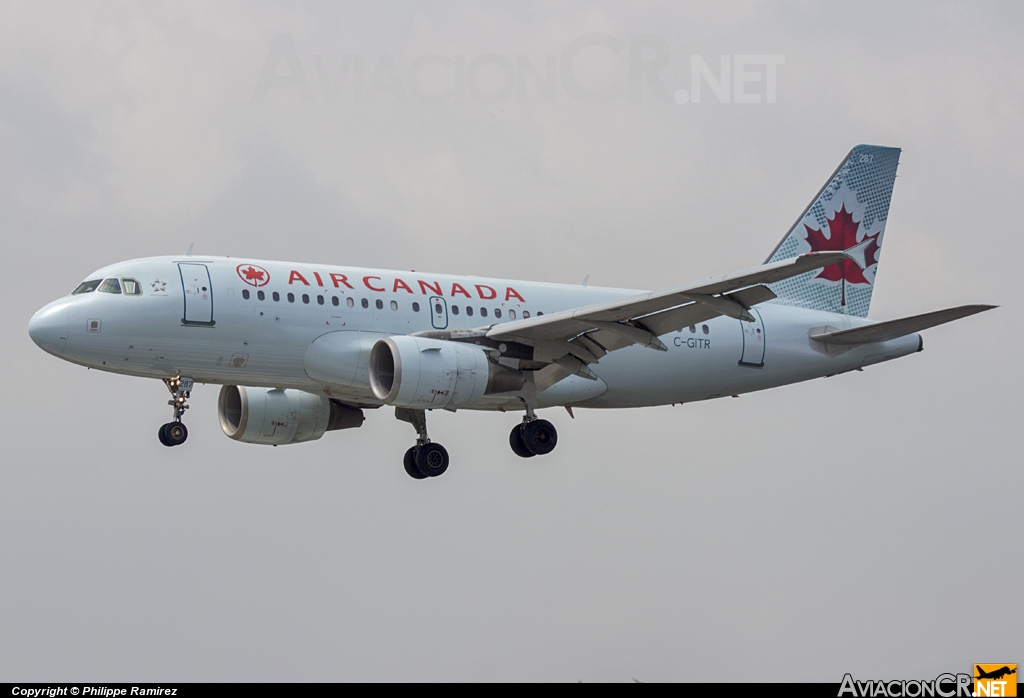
{"x":422,"y":373}
{"x":278,"y":417}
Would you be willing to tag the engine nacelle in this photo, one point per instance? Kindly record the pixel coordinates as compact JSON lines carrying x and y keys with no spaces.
{"x":279,"y":417}
{"x":421,"y":373}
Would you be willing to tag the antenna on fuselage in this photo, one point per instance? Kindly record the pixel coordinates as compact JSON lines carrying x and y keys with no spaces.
{"x":586,"y":280}
{"x":188,"y":252}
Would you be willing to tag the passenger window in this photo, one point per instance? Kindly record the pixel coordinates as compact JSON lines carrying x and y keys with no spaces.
{"x":86,"y":287}
{"x":693,"y":329}
{"x":511,"y":315}
{"x":334,"y":300}
{"x":415,"y":307}
{"x":109,"y":286}
{"x":261,"y":295}
{"x":394,"y":305}
{"x":469,"y":310}
{"x":455,"y":310}
{"x":365,"y":303}
{"x":305,"y":298}
{"x":277,"y":296}
{"x":438,"y":309}
{"x":379,"y":304}
{"x":483,"y":312}
{"x":245,"y":293}
{"x":705,"y":328}
{"x":497,"y":312}
{"x":526,"y":314}
{"x":291,"y":297}
{"x":131,"y":287}
{"x":350,"y":302}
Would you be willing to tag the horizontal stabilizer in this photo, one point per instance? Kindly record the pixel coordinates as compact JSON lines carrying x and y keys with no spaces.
{"x":891,"y":329}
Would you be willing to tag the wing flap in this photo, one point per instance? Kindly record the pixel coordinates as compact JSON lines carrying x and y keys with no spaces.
{"x":676,"y":319}
{"x":892,"y":329}
{"x":750,"y":297}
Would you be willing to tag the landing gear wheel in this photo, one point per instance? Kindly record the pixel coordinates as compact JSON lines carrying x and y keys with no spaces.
{"x":410,"y":465}
{"x":515,"y":440}
{"x":539,"y":436}
{"x":173,"y":434}
{"x":432,"y":459}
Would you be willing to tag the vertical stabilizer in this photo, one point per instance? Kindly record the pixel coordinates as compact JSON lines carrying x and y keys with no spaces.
{"x":849,"y":213}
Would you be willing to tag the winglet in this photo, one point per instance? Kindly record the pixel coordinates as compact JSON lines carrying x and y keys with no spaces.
{"x":858,"y":253}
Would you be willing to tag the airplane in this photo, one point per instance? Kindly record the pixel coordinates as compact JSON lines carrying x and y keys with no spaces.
{"x":302,"y":349}
{"x":995,"y":674}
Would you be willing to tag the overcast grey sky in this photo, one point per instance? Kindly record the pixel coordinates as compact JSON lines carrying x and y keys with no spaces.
{"x":862,"y":523}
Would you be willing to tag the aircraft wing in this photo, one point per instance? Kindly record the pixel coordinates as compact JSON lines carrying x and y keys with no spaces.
{"x":579,"y":336}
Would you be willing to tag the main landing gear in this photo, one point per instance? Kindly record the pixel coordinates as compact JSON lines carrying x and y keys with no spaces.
{"x":174,"y":432}
{"x":533,"y":437}
{"x":426,"y":458}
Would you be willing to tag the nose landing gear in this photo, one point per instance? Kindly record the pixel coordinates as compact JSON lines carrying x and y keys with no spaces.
{"x":174,"y":432}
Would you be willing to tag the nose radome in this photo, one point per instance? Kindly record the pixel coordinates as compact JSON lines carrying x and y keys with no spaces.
{"x":49,"y":328}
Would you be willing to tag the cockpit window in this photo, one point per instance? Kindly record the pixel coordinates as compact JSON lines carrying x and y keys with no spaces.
{"x":131,"y":287}
{"x":86,"y":287}
{"x":110,"y":286}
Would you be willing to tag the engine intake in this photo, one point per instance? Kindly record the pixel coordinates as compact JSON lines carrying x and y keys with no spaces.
{"x":279,"y":417}
{"x":422,"y":373}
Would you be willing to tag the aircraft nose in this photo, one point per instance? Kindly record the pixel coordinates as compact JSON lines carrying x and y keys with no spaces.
{"x":49,"y":328}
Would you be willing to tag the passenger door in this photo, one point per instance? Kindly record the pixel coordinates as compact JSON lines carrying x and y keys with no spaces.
{"x":195,"y":283}
{"x":753,"y":341}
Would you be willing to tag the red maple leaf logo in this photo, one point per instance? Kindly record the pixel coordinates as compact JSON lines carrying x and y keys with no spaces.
{"x":842,"y":236}
{"x":253,"y":275}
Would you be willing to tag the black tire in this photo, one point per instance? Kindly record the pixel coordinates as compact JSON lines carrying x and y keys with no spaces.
{"x":162,"y":434}
{"x":515,"y":440}
{"x":410,"y":465}
{"x":432,"y":459}
{"x":540,"y":436}
{"x":175,"y":433}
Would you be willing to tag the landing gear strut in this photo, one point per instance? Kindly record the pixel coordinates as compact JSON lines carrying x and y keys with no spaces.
{"x":174,"y":432}
{"x":426,"y":458}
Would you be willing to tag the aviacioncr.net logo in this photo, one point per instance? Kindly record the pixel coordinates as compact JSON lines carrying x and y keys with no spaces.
{"x":995,"y":680}
{"x":943,"y":686}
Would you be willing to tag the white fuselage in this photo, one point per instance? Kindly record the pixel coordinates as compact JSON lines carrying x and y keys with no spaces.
{"x":217,"y":329}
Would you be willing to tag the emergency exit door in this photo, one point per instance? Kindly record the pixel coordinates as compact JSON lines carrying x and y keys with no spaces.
{"x":439,"y":313}
{"x":195,"y":283}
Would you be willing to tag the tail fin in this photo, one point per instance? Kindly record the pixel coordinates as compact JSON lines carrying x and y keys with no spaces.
{"x":849,"y":213}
